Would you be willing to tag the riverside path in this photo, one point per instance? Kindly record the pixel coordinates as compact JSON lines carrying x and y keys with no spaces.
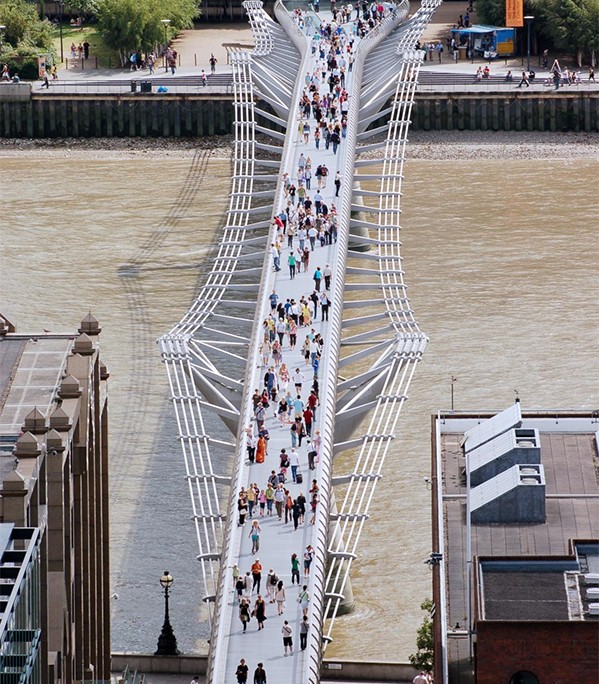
{"x":348,"y":338}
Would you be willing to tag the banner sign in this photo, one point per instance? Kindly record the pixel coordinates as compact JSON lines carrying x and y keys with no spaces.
{"x":514,"y":13}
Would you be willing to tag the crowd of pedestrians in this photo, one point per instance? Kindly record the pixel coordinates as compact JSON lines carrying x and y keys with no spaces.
{"x":283,"y":494}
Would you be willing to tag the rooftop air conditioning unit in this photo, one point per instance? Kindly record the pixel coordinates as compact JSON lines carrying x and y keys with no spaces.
{"x":593,"y":593}
{"x":593,"y":608}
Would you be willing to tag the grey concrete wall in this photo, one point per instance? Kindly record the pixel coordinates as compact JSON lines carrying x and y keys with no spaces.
{"x":331,"y":670}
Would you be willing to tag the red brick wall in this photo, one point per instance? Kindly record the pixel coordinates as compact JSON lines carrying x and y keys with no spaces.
{"x":556,"y":652}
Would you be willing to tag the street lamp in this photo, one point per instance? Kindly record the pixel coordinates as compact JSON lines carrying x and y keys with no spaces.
{"x":453,"y":381}
{"x":167,"y":641}
{"x":165,"y":23}
{"x":528,"y":19}
{"x":60,"y":6}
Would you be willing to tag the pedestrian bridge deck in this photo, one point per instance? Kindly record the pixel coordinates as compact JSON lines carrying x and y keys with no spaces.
{"x":372,"y":341}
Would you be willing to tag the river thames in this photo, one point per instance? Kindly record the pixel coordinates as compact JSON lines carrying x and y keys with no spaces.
{"x":500,"y":255}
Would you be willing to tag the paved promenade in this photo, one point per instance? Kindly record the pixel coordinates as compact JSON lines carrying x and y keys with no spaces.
{"x":196,"y":46}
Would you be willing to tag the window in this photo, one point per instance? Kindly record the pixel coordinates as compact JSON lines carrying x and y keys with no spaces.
{"x":524,"y":677}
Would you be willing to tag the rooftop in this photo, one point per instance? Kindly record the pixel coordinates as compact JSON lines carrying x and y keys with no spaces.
{"x":518,"y":590}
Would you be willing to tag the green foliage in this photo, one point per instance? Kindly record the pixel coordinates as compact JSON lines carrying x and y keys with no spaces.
{"x":22,"y":60}
{"x":127,"y":25}
{"x":570,"y":25}
{"x":86,"y":7}
{"x":23,"y":24}
{"x":98,"y":50}
{"x":423,"y":658}
{"x":491,"y":12}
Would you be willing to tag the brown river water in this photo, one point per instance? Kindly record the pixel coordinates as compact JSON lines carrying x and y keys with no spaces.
{"x":500,"y":257}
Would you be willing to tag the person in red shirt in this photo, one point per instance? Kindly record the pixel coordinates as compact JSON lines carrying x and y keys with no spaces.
{"x":308,"y":416}
{"x":313,"y":403}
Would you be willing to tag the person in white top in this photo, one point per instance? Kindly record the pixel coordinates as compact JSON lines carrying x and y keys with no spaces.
{"x":298,"y":379}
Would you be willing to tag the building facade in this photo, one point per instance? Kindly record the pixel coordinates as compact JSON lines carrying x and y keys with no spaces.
{"x":54,"y":479}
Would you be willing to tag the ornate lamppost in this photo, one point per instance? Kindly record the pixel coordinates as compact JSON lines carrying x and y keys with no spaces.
{"x":165,"y":23}
{"x":167,"y":641}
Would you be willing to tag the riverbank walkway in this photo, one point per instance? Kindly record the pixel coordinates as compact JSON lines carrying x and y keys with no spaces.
{"x":196,"y":46}
{"x":302,"y":341}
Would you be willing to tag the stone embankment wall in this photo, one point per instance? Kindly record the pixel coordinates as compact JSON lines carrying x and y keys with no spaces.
{"x":197,"y":115}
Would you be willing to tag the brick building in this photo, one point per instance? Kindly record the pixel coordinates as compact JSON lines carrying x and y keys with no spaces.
{"x":54,"y":479}
{"x":516,"y":521}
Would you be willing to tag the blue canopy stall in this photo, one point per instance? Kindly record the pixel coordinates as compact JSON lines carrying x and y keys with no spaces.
{"x":490,"y":41}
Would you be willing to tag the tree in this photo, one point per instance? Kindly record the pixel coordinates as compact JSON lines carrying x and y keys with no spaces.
{"x":423,"y":658}
{"x":491,"y":12}
{"x":572,"y":26}
{"x":129,"y":25}
{"x":23,"y":25}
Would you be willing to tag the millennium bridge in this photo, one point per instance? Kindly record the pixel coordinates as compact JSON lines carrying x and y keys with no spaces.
{"x":370,"y":341}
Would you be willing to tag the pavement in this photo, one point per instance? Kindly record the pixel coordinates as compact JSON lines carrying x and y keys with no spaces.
{"x":196,"y":45}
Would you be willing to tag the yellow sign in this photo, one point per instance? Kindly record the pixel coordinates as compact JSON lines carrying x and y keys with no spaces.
{"x":514,"y":13}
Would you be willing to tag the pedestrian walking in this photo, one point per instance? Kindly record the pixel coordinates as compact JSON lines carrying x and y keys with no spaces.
{"x":296,"y":514}
{"x":244,"y":614}
{"x":335,"y":141}
{"x":260,"y":449}
{"x":213,"y":61}
{"x":242,"y":672}
{"x":271,"y":585}
{"x":308,"y":557}
{"x":256,"y":570}
{"x":280,"y":597}
{"x":337,"y":183}
{"x":280,"y":497}
{"x":317,"y":277}
{"x":254,"y":535}
{"x":287,"y":633}
{"x":295,"y":567}
{"x":260,"y":611}
{"x":276,"y":257}
{"x":304,"y":599}
{"x":242,"y":508}
{"x":291,"y":261}
{"x":524,"y":79}
{"x":327,"y":274}
{"x":260,"y":674}
{"x":303,"y":631}
{"x":240,"y":588}
{"x":294,"y":463}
